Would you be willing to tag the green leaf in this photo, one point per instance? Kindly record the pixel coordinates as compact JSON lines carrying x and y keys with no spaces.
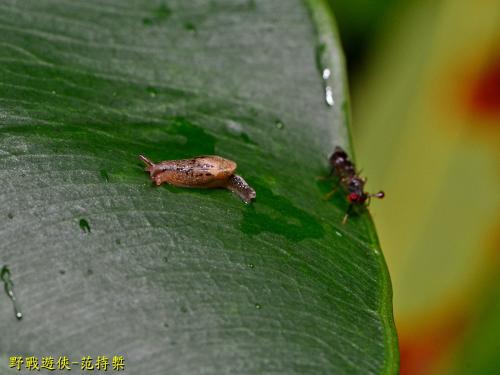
{"x":182,"y":281}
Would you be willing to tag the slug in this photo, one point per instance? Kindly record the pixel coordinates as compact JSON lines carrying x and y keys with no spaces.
{"x":204,"y":172}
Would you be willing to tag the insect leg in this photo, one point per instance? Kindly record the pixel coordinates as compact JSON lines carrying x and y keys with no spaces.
{"x":327,"y":196}
{"x":346,"y":216}
{"x":330,"y":174}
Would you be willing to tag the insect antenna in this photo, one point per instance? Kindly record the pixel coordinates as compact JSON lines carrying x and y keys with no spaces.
{"x":378,"y":195}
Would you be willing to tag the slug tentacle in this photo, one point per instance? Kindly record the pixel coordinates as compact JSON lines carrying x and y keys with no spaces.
{"x":149,"y":164}
{"x":146,"y":161}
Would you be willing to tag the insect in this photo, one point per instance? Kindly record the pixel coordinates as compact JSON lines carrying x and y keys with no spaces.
{"x":350,"y":181}
{"x":205,"y":172}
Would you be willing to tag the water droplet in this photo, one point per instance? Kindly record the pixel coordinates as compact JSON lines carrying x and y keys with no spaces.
{"x":9,"y":290}
{"x":279,"y":124}
{"x":152,"y":91}
{"x":234,"y":128}
{"x":163,"y":11}
{"x":84,"y":225}
{"x":329,"y":96}
{"x":10,"y":215}
{"x":326,"y":73}
{"x":338,"y":234}
{"x":258,"y":306}
{"x":189,"y":26}
{"x":251,"y":265}
{"x":246,"y":138}
{"x":104,"y":175}
{"x":160,"y":14}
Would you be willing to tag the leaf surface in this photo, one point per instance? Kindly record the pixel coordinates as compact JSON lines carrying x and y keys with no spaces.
{"x":182,"y":281}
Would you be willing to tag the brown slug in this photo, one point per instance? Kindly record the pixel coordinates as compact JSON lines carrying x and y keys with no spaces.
{"x":205,"y":172}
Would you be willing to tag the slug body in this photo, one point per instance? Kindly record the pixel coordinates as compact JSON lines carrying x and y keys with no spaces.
{"x":205,"y":172}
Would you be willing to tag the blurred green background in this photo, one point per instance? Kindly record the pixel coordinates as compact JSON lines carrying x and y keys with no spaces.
{"x":425,"y":85}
